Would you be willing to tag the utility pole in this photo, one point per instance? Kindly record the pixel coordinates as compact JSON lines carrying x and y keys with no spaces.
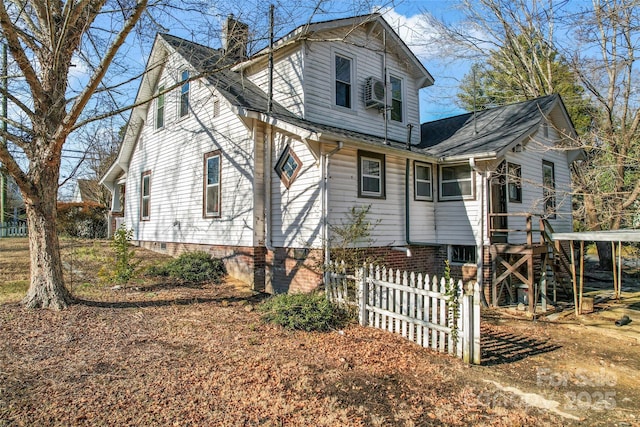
{"x":3,"y":177}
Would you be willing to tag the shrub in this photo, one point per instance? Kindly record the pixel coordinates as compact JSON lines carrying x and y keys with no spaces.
{"x":125,"y":265}
{"x":85,"y":220}
{"x":307,"y":312}
{"x":191,"y":267}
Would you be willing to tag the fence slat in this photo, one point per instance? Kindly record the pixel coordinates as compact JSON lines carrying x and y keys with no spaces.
{"x":415,"y":306}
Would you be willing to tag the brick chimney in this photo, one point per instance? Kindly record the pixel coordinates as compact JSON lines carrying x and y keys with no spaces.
{"x":235,"y":35}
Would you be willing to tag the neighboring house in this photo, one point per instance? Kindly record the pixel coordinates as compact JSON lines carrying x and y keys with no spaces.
{"x":211,"y":164}
{"x":87,"y":190}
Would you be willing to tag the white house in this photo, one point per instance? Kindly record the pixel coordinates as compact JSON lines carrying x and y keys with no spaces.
{"x":253,"y":163}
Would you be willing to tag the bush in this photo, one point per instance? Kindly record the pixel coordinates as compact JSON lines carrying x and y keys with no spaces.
{"x":307,"y":312}
{"x":191,"y":267}
{"x":86,"y":220}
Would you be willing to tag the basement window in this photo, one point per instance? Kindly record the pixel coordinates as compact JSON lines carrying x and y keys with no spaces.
{"x":462,"y":254}
{"x":288,"y":166}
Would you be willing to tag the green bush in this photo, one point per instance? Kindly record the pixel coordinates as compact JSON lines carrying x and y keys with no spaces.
{"x":191,"y":267}
{"x":307,"y":312}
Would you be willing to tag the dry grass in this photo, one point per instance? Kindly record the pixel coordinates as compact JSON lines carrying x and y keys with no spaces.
{"x":158,"y":354}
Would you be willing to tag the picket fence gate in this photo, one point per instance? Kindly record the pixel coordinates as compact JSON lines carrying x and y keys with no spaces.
{"x":415,"y":306}
{"x":13,"y":229}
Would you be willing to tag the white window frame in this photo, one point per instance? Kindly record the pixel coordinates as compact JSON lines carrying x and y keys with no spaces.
{"x":442,"y":181}
{"x":376,"y":157}
{"x":401,"y":100}
{"x":185,"y":84}
{"x":352,"y":74}
{"x":160,"y":106}
{"x":472,"y":249}
{"x":205,"y":205}
{"x":145,"y":198}
{"x":428,"y":166}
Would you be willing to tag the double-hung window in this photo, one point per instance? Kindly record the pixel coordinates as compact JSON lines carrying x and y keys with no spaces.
{"x":160,"y":108}
{"x":456,"y":182}
{"x":549,"y":188}
{"x":422,"y":185}
{"x":371,"y":174}
{"x":184,"y":93}
{"x":343,"y":66}
{"x":212,"y":184}
{"x":514,"y":178}
{"x":396,"y":99}
{"x":145,"y":196}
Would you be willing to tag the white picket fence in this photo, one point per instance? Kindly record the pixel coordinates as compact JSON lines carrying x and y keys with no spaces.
{"x":13,"y":229}
{"x":413,"y":305}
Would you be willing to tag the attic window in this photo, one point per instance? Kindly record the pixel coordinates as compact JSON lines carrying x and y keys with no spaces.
{"x":184,"y":93}
{"x":288,"y":166}
{"x":216,"y":108}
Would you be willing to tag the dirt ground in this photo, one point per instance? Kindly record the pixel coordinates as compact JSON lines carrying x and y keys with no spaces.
{"x":160,"y":354}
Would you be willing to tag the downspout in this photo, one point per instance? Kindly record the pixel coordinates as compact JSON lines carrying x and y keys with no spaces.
{"x":480,"y":238}
{"x":324,"y":187}
{"x":268,"y":143}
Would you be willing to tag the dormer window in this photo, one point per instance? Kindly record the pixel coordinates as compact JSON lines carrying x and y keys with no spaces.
{"x":343,"y":70}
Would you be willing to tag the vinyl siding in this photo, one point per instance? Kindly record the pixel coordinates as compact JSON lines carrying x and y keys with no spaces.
{"x":287,"y":79}
{"x":387,"y":214}
{"x":367,"y":61}
{"x":458,"y":221}
{"x":296,"y":213}
{"x":174,"y":155}
{"x":541,"y":148}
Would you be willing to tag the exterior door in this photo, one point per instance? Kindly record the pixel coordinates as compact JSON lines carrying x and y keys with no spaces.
{"x":498,"y":204}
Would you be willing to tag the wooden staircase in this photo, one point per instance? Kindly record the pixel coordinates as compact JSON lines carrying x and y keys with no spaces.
{"x":540,"y":265}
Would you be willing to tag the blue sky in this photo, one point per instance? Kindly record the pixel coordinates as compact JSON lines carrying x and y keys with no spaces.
{"x":436,"y":102}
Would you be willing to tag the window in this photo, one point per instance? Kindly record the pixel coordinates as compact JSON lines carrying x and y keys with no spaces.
{"x":514,"y":179}
{"x":396,"y":99}
{"x":184,"y":93}
{"x":160,"y":108}
{"x":422,"y":176}
{"x":145,"y":196}
{"x":371,"y":174}
{"x":456,"y":182}
{"x":343,"y":81}
{"x":212,"y":184}
{"x":549,"y":189}
{"x":288,"y":166}
{"x":545,"y":129}
{"x":462,"y":254}
{"x":216,"y":108}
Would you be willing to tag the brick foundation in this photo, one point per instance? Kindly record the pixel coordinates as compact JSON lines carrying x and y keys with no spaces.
{"x":294,"y":270}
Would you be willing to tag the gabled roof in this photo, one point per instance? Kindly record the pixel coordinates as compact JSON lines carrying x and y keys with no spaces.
{"x":372,"y":21}
{"x":489,"y":133}
{"x":243,"y":94}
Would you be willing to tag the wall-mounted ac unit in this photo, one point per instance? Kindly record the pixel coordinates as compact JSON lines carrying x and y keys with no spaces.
{"x":374,"y":93}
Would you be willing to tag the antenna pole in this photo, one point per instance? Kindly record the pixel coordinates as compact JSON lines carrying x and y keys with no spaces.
{"x":270,"y":94}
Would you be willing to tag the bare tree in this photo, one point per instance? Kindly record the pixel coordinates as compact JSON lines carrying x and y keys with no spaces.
{"x":598,"y":44}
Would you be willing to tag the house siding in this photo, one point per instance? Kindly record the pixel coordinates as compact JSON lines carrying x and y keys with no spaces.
{"x":174,"y":155}
{"x":367,"y":54}
{"x":296,"y":212}
{"x":288,"y":66}
{"x":541,"y":148}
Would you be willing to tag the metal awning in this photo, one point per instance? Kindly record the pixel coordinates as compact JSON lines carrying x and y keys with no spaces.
{"x":613,"y":236}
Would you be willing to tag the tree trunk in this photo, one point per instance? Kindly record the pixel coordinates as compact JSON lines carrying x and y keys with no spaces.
{"x":605,"y":255}
{"x":46,"y":289}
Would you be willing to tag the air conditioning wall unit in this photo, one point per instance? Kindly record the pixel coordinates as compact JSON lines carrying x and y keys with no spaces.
{"x":374,"y":96}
